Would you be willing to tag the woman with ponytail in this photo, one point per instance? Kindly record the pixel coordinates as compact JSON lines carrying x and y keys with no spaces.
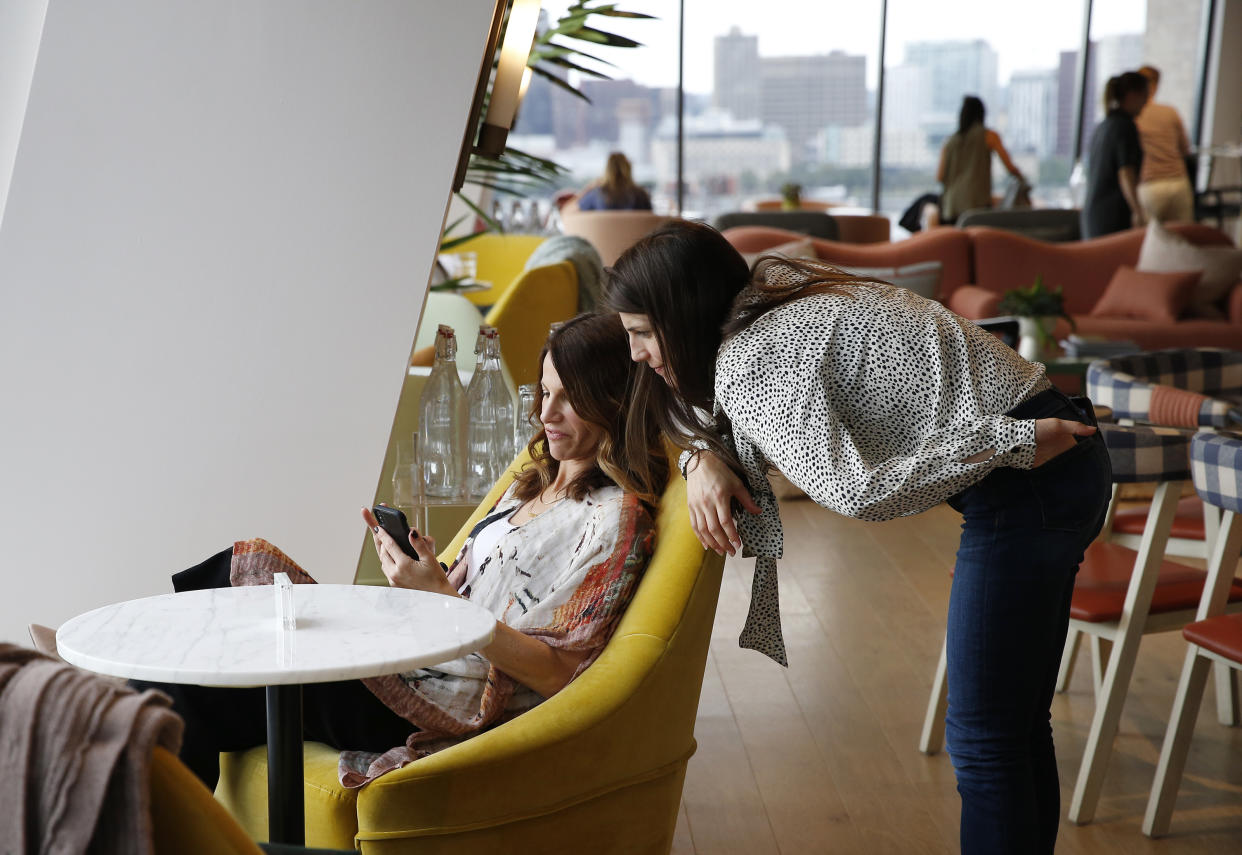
{"x":1112,"y":203}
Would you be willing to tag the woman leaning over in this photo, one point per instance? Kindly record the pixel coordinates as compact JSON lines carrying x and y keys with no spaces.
{"x":556,"y":560}
{"x":879,"y":403}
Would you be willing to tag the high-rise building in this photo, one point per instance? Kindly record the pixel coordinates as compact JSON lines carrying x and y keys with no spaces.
{"x":1067,"y":92}
{"x":953,"y":69}
{"x":1032,"y":112}
{"x":1173,"y":26}
{"x":906,"y":97}
{"x":804,"y":94}
{"x":736,"y":75}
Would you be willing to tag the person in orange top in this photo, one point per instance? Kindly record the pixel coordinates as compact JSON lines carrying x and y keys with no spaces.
{"x":1164,"y":189}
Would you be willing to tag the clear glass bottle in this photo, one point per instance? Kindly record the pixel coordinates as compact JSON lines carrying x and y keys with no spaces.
{"x":526,"y":419}
{"x":439,"y":429}
{"x":489,"y":444}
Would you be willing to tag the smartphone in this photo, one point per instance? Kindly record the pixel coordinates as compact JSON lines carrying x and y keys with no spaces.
{"x":393,"y":521}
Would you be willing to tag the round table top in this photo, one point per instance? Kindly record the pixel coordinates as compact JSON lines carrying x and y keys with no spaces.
{"x":229,"y":636}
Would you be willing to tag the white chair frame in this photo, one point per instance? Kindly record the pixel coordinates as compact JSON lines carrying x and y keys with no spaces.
{"x":1115,"y":645}
{"x":1172,"y":763}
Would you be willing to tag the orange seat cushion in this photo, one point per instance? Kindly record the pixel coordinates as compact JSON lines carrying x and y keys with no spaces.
{"x":1187,"y":520}
{"x":1100,"y":589}
{"x":1221,"y":635}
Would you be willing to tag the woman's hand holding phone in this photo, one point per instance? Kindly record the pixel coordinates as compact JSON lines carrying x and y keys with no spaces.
{"x":412,"y":565}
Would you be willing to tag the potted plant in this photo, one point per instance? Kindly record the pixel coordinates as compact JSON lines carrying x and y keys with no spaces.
{"x":1037,"y":309}
{"x":791,"y":196}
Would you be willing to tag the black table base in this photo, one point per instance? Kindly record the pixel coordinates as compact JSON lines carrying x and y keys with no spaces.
{"x":286,"y":802}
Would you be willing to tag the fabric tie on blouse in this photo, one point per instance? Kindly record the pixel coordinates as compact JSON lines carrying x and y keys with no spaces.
{"x":764,"y":539}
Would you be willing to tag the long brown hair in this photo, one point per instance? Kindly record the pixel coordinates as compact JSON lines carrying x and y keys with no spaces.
{"x":692,"y":285}
{"x":592,"y":357}
{"x":618,"y":184}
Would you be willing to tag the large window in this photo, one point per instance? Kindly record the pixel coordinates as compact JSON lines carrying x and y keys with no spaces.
{"x":1025,"y":76}
{"x":781,"y":93}
{"x":785,"y":92}
{"x":631,"y":112}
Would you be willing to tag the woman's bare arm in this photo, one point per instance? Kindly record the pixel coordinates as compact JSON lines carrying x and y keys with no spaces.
{"x":995,"y":144}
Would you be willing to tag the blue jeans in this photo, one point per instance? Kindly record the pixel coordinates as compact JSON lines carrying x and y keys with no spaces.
{"x":1023,"y":537}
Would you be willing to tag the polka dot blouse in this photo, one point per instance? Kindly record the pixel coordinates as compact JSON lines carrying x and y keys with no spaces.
{"x":869,"y":400}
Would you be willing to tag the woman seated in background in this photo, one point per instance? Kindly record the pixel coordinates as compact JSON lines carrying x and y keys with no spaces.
{"x":616,"y":191}
{"x":556,"y":560}
{"x":966,"y":163}
{"x":1113,"y":161}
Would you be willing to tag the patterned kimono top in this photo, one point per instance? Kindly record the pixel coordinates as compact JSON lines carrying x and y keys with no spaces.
{"x":869,"y":400}
{"x":564,"y":577}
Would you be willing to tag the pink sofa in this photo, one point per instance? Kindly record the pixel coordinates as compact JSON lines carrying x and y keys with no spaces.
{"x":980,"y":264}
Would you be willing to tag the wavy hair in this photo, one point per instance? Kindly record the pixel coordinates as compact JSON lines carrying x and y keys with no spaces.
{"x":592,"y":357}
{"x":693,"y":287}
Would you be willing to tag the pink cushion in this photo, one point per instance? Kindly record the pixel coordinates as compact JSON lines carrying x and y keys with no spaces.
{"x":1160,"y":297}
{"x":971,"y":301}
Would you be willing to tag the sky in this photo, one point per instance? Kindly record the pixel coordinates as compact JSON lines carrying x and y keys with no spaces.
{"x":795,"y":27}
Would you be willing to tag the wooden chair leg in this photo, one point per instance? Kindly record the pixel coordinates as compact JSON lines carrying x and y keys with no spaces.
{"x":1068,"y":656}
{"x":1226,"y":694}
{"x":1108,"y":704}
{"x":1176,"y":743}
{"x":1101,"y":650}
{"x":932,"y":738}
{"x":1116,"y":683}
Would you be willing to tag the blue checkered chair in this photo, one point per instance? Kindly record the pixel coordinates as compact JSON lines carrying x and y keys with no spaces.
{"x":1190,"y":388}
{"x":1122,"y":593}
{"x":1215,"y":637}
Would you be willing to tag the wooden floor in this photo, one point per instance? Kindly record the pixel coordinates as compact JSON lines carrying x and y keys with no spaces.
{"x":822,"y":757}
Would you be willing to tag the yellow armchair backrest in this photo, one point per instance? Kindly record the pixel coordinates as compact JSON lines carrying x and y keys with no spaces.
{"x":599,"y":766}
{"x":501,"y":259}
{"x":541,"y":297}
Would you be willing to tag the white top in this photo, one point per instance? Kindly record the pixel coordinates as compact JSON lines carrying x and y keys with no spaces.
{"x":868,"y":400}
{"x":229,"y":637}
{"x":485,"y":542}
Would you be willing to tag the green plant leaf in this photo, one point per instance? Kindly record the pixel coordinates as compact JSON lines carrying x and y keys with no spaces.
{"x":561,"y":82}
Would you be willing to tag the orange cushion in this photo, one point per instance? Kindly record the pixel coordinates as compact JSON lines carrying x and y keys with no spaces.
{"x":1187,"y":519}
{"x":1221,"y":635}
{"x":971,"y":301}
{"x":1100,"y":588}
{"x":424,"y":357}
{"x":1160,"y":297}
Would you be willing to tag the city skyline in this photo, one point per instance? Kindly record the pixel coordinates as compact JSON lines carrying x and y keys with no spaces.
{"x":852,"y":27}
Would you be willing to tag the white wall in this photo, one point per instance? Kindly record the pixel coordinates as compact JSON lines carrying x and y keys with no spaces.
{"x":21,"y":25}
{"x":220,"y":225}
{"x":1222,"y":122}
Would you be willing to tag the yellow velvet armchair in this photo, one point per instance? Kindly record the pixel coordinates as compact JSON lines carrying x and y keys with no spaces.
{"x":539,"y":298}
{"x":185,"y":819}
{"x":596,"y":768}
{"x":500,"y":260}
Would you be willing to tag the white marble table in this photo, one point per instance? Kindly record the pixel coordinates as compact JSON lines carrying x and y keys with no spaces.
{"x":229,"y":637}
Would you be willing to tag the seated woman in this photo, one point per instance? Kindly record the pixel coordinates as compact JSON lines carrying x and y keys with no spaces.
{"x":616,"y":191}
{"x":557,"y":561}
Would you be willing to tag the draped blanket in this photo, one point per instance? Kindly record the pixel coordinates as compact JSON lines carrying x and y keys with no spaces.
{"x":76,"y":753}
{"x":564,"y":577}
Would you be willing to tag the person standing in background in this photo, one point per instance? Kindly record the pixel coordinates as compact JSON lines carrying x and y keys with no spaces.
{"x":616,"y":191}
{"x":1113,"y":163}
{"x":1164,"y":189}
{"x":966,"y":163}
